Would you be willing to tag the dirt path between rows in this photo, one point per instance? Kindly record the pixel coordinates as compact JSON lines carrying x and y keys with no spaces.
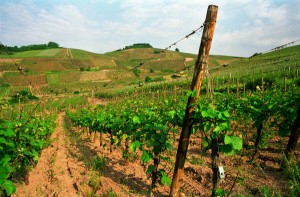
{"x":56,"y":174}
{"x":76,"y":165}
{"x":71,"y":166}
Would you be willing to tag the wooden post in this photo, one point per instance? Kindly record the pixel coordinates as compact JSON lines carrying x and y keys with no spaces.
{"x":207,"y":87}
{"x":285,"y":83}
{"x":44,"y":105}
{"x":175,"y":95}
{"x":93,"y":97}
{"x":237,"y":88}
{"x":262,"y":87}
{"x":199,"y":72}
{"x":228,"y":89}
{"x":212,"y":89}
{"x":136,"y":94}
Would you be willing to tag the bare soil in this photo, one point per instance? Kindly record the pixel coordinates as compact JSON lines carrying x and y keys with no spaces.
{"x":57,"y":172}
{"x":8,"y":60}
{"x":66,"y":169}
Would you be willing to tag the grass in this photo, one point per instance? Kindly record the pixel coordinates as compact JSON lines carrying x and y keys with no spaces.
{"x":69,"y":76}
{"x":24,"y":81}
{"x":52,"y":78}
{"x":263,"y":64}
{"x":110,"y":193}
{"x":4,"y":91}
{"x":80,"y":54}
{"x":197,"y":161}
{"x":33,"y":53}
{"x":66,"y":102}
{"x":7,"y":66}
{"x":41,"y":64}
{"x":97,"y":163}
{"x":292,"y":170}
{"x":49,"y":53}
{"x":24,"y":54}
{"x":94,"y":181}
{"x":4,"y":88}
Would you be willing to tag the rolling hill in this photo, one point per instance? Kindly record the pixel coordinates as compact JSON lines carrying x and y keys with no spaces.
{"x":62,"y":70}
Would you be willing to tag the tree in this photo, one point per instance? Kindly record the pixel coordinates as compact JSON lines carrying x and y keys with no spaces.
{"x":148,"y":79}
{"x":177,"y":50}
{"x":136,"y":72}
{"x":53,"y":45}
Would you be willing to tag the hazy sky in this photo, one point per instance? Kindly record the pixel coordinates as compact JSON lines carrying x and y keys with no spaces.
{"x":243,"y":26}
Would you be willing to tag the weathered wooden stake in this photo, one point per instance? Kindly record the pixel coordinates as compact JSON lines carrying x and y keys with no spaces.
{"x":93,"y":97}
{"x":263,"y":87}
{"x":136,"y":94}
{"x":199,"y":72}
{"x":228,"y":89}
{"x":175,"y":95}
{"x":207,"y":87}
{"x":285,"y":84}
{"x":237,"y":88}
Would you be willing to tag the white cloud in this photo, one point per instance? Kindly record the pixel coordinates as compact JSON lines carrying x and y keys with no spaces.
{"x":243,"y":27}
{"x":264,"y":25}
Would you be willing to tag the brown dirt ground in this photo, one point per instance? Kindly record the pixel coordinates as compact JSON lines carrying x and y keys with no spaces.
{"x":56,"y":174}
{"x":8,"y":60}
{"x":62,"y":169}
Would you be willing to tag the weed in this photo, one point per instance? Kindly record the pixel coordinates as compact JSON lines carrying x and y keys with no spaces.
{"x":95,"y":181}
{"x":110,"y":193}
{"x":51,"y":175}
{"x":97,"y":163}
{"x":265,"y":191}
{"x":124,"y":181}
{"x":292,"y":170}
{"x":197,"y":161}
{"x":52,"y":159}
{"x":91,"y":194}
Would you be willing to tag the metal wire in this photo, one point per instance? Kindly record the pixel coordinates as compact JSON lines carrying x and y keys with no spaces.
{"x":163,"y":51}
{"x":19,"y":68}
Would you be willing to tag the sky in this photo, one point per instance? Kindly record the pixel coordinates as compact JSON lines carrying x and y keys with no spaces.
{"x":243,"y":27}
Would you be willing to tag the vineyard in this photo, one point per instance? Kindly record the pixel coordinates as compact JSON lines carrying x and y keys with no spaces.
{"x":21,"y":143}
{"x":245,"y":128}
{"x":143,"y":121}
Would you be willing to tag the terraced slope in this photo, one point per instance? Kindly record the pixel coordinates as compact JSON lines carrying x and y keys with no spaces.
{"x":74,"y":68}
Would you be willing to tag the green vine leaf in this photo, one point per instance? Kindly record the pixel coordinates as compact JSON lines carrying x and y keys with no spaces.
{"x":134,"y":145}
{"x":150,"y":169}
{"x":237,"y":142}
{"x":165,"y":180}
{"x":227,"y":149}
{"x":8,"y":186}
{"x":146,"y":157}
{"x":136,"y":120}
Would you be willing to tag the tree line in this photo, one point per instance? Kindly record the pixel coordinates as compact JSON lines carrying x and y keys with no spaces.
{"x":12,"y":49}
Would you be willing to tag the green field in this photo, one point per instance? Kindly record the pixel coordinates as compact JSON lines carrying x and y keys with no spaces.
{"x":83,"y":67}
{"x":34,"y":53}
{"x":49,"y":53}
